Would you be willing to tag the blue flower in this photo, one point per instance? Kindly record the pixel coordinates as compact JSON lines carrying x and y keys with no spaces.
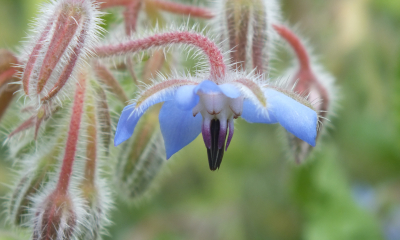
{"x":194,"y":107}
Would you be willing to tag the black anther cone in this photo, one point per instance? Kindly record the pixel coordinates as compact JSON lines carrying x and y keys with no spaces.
{"x":214,"y":154}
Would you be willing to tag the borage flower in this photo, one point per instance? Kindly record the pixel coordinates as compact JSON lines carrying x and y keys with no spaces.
{"x":209,"y":107}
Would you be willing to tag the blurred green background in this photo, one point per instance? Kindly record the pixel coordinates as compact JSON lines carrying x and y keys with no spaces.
{"x":350,"y":189}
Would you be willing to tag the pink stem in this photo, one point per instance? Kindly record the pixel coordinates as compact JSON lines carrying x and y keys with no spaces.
{"x":215,"y":56}
{"x":178,"y":8}
{"x":296,"y":44}
{"x":113,"y":3}
{"x":130,"y":15}
{"x":25,"y":125}
{"x":73,"y":135}
{"x":172,"y":7}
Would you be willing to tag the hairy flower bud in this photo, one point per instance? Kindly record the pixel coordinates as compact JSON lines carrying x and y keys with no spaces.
{"x":91,"y":188}
{"x":248,"y":27}
{"x":141,"y":159}
{"x":36,"y":173}
{"x":66,"y":32}
{"x":55,"y":218}
{"x":308,"y":79}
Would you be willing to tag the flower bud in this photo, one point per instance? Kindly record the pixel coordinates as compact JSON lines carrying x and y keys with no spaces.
{"x":36,"y":174}
{"x":308,"y":79}
{"x":96,"y":205}
{"x":67,"y":31}
{"x":55,"y":218}
{"x":92,"y":189}
{"x":247,"y":24}
{"x":141,"y":158}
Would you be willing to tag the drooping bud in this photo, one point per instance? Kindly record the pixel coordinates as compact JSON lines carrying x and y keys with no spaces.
{"x":93,"y":194}
{"x":55,"y":218}
{"x":141,"y":158}
{"x":248,"y":27}
{"x":63,"y":39}
{"x":308,"y":79}
{"x":36,"y":174}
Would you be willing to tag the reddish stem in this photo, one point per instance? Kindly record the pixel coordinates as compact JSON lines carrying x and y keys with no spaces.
{"x":113,"y":3}
{"x":73,"y":135}
{"x":178,"y":8}
{"x":305,"y":76}
{"x":130,"y":15}
{"x":25,"y":125}
{"x":215,"y":56}
{"x":296,"y":44}
{"x":172,"y":7}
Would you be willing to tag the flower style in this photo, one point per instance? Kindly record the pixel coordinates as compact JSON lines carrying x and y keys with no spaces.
{"x":194,"y":106}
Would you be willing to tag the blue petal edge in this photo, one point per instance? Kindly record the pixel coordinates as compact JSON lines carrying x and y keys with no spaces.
{"x":208,"y":86}
{"x":295,"y":117}
{"x":186,"y":98}
{"x":178,"y":127}
{"x":253,"y":114}
{"x":126,"y":124}
{"x":131,"y":115}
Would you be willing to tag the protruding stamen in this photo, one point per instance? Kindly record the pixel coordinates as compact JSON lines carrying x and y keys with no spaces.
{"x":214,"y":153}
{"x":231,"y":129}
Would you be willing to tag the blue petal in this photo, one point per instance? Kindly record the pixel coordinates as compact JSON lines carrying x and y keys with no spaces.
{"x":251,"y":113}
{"x":178,"y":127}
{"x":295,"y":117}
{"x":208,"y":87}
{"x":131,"y":115}
{"x":230,"y":90}
{"x":126,"y":124}
{"x":185,"y":97}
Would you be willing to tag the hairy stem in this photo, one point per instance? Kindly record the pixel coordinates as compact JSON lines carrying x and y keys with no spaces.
{"x":296,"y":44}
{"x":179,"y":8}
{"x":73,"y":134}
{"x":213,"y":53}
{"x":168,"y":6}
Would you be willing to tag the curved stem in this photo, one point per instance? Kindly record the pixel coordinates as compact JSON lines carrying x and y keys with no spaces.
{"x":296,"y":44}
{"x":168,"y":6}
{"x":213,"y":53}
{"x":178,"y":8}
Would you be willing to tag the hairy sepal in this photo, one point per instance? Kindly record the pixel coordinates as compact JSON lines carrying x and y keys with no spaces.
{"x":61,"y":40}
